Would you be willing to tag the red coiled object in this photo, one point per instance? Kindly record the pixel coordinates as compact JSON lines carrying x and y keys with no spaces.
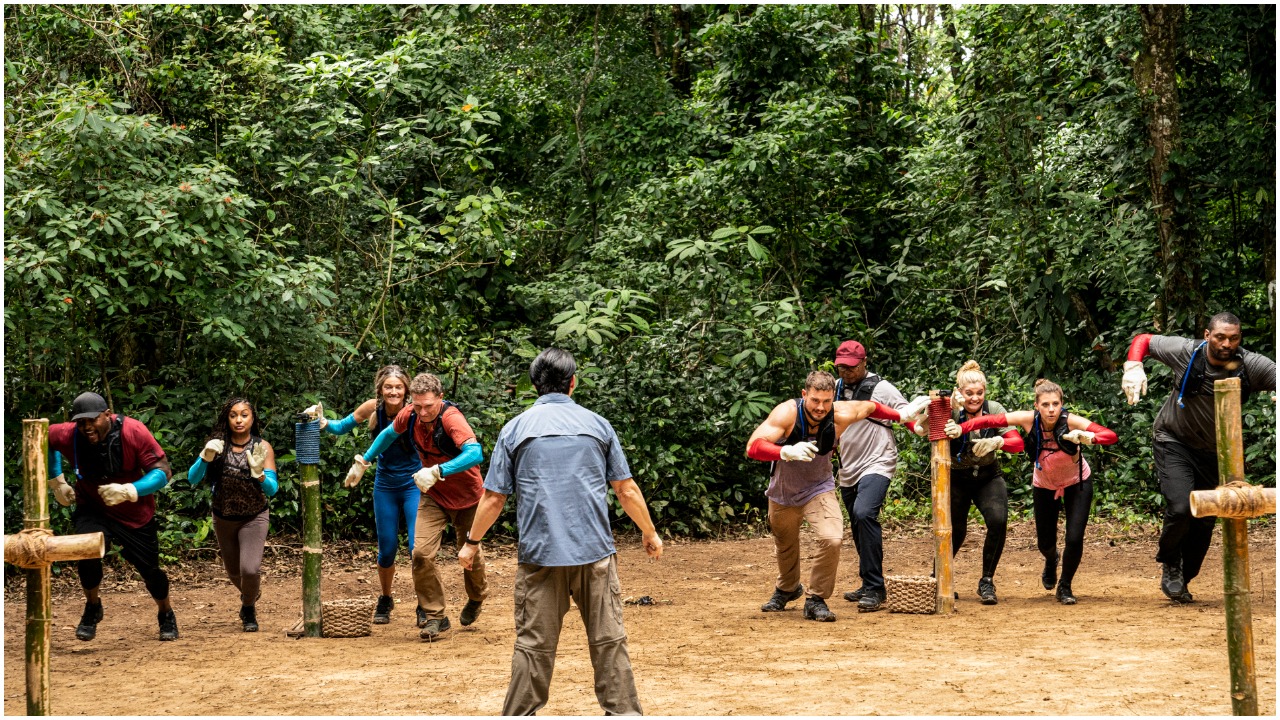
{"x":939,"y":414}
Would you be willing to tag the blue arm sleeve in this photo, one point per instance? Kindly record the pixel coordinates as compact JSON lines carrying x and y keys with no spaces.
{"x":55,"y":463}
{"x":341,"y":427}
{"x":196,"y":473}
{"x":151,"y":482}
{"x":472,"y":455}
{"x":382,"y":442}
{"x":270,"y":482}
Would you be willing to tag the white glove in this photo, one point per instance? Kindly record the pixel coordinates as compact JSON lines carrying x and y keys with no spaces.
{"x":212,"y":449}
{"x":986,"y":446}
{"x":952,"y":430}
{"x":62,"y":490}
{"x":800,"y":452}
{"x":1079,"y":437}
{"x":1134,"y":381}
{"x":316,"y":412}
{"x":916,"y":410}
{"x":922,"y":428}
{"x":257,"y":460}
{"x":426,"y":477}
{"x":116,"y":493}
{"x":356,"y":472}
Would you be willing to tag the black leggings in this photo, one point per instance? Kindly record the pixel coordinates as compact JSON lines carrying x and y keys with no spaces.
{"x":991,"y":497}
{"x":140,"y":546}
{"x":1076,"y":501}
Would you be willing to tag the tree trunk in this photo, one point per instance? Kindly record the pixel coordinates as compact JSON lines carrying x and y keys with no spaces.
{"x":1155,"y":74}
{"x":681,"y":78}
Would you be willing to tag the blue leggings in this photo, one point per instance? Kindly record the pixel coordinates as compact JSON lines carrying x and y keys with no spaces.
{"x":388,"y":506}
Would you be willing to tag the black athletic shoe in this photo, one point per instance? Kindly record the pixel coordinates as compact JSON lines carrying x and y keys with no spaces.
{"x":434,"y":629}
{"x":1171,"y":583}
{"x":1064,"y":594}
{"x":815,"y":608}
{"x":779,"y":601}
{"x":88,"y":627}
{"x":248,"y":616}
{"x":1049,"y":577}
{"x":1185,"y":596}
{"x":168,"y":625}
{"x":871,"y":601}
{"x":382,"y":613}
{"x":470,"y":612}
{"x":855,"y":595}
{"x":987,"y":591}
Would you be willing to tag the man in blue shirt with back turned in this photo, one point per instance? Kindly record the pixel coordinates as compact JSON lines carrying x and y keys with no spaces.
{"x":559,"y":459}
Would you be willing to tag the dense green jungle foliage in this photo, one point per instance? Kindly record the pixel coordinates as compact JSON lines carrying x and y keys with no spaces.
{"x":700,"y":202}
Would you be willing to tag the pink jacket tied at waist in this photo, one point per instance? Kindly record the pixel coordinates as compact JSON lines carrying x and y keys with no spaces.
{"x":1059,"y":471}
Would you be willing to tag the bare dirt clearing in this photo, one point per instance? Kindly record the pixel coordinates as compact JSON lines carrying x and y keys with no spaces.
{"x":1124,"y":649}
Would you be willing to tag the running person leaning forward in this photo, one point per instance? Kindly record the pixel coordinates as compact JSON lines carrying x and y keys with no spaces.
{"x":798,"y":437}
{"x":1185,"y":443}
{"x":1060,"y":478}
{"x":976,"y":478}
{"x":451,"y":487}
{"x":118,"y":466}
{"x":868,"y":458}
{"x":559,"y":460}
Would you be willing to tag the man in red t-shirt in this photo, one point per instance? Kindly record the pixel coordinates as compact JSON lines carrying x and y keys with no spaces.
{"x":451,"y":487}
{"x":118,"y":466}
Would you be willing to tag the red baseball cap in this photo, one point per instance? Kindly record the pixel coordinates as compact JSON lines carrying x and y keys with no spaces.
{"x":850,"y":353}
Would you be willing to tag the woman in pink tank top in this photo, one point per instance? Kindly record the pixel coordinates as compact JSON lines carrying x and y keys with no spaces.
{"x":1060,"y":477}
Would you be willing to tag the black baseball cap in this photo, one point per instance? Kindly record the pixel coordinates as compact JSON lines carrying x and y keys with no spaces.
{"x":87,"y":406}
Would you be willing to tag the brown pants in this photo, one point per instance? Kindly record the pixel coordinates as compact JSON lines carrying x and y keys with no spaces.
{"x":427,"y":532}
{"x":542,"y":599}
{"x":240,"y":542}
{"x":823,"y":515}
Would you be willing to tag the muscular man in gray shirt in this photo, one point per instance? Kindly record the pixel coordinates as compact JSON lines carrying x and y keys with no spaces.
{"x":1185,"y":442}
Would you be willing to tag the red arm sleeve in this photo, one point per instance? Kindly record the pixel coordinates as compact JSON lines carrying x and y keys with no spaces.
{"x":1013,"y":442}
{"x":764,"y":451}
{"x":1102,"y":435}
{"x":884,"y":412}
{"x":401,"y":421}
{"x":984,"y":422}
{"x":1138,"y":348}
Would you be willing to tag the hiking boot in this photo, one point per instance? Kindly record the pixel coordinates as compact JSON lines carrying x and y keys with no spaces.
{"x":434,"y":628}
{"x":1185,"y":597}
{"x":871,"y":601}
{"x":1064,"y":594}
{"x":1049,"y":577}
{"x":987,"y":591}
{"x":855,"y":595}
{"x":815,"y":608}
{"x":88,"y":627}
{"x":382,"y":613}
{"x":249,"y":617}
{"x":470,"y":612}
{"x":421,"y":617}
{"x":168,"y":625}
{"x":1171,"y":583}
{"x":779,"y":601}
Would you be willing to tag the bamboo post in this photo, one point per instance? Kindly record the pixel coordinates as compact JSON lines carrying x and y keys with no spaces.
{"x":940,"y":465}
{"x":33,"y":549}
{"x":1235,"y":551}
{"x":307,"y":450}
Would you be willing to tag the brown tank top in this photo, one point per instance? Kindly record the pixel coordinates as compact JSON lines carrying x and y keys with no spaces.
{"x":236,"y":494}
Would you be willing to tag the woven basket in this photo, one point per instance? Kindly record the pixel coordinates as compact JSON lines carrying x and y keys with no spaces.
{"x":906,"y":594}
{"x":347,"y":618}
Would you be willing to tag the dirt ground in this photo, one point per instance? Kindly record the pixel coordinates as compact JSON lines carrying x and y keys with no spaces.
{"x":703,"y":649}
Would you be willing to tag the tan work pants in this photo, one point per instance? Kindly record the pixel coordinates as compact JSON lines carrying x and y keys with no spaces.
{"x":542,"y":599}
{"x":428,"y":529}
{"x":823,"y":515}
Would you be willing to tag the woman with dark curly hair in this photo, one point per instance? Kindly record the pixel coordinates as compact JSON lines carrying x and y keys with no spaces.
{"x":242,"y":468}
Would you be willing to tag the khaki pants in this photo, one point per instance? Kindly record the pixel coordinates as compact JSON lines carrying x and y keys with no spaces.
{"x":542,"y":599}
{"x":823,"y":515}
{"x":428,"y":529}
